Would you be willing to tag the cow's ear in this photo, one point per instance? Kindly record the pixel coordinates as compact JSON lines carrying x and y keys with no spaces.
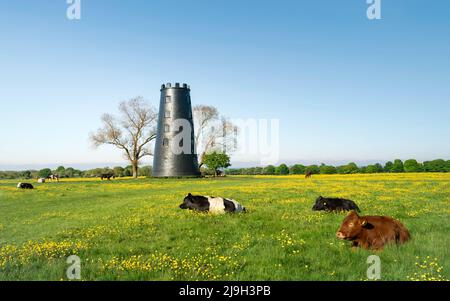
{"x":364,"y":222}
{"x":189,"y":194}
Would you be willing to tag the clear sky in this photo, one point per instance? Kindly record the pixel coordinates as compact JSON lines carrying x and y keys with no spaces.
{"x":345,"y":88}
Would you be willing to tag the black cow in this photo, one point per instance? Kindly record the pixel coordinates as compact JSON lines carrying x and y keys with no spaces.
{"x":107,"y":176}
{"x":211,"y":204}
{"x":25,"y":186}
{"x":334,"y":204}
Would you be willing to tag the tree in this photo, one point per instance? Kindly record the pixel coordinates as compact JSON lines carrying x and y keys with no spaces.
{"x":327,"y":170}
{"x":350,"y":168}
{"x":371,"y":169}
{"x":269,"y":170}
{"x":313,"y":169}
{"x":438,"y":165}
{"x":388,"y":166}
{"x":378,"y":167}
{"x":44,"y":173}
{"x":397,"y":166}
{"x":69,"y":172}
{"x":412,"y":165}
{"x":60,"y":171}
{"x":212,"y":132}
{"x":132,"y":132}
{"x":215,"y":161}
{"x":119,"y":171}
{"x":145,"y":171}
{"x":26,"y":174}
{"x":282,"y":170}
{"x":297,"y":169}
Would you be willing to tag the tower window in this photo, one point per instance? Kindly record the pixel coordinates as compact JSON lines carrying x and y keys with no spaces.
{"x":168,"y":99}
{"x":181,"y":144}
{"x":166,"y":128}
{"x":167,"y":114}
{"x":165,"y":142}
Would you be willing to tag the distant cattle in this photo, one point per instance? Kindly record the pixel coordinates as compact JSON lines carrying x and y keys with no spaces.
{"x":216,"y":205}
{"x":53,"y":177}
{"x":41,"y":180}
{"x":372,"y":232}
{"x":334,"y":204}
{"x":25,"y":186}
{"x":308,"y":174}
{"x":107,"y":176}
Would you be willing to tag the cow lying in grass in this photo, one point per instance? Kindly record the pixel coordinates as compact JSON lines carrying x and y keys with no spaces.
{"x":372,"y":232}
{"x":334,"y":204}
{"x":211,"y":204}
{"x":25,"y":186}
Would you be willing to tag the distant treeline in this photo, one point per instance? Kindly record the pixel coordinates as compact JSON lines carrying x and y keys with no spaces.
{"x":298,"y":169}
{"x":70,"y":172}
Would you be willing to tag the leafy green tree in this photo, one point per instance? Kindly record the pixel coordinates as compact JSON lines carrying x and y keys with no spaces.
{"x":45,"y":173}
{"x":388,"y":166}
{"x":412,"y":165}
{"x":128,"y":172}
{"x":282,"y":170}
{"x":297,"y":169}
{"x":350,"y":168}
{"x":314,"y":169}
{"x":397,"y":166}
{"x":327,"y":169}
{"x":70,"y":172}
{"x":378,"y":167}
{"x":371,"y":169}
{"x":215,"y":161}
{"x":269,"y":170}
{"x":145,"y":171}
{"x":26,"y":174}
{"x":438,"y":165}
{"x":60,"y":170}
{"x":119,"y":171}
{"x":259,"y":170}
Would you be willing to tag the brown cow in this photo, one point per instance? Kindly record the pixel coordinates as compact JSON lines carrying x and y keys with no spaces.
{"x":372,"y":232}
{"x":308,"y":174}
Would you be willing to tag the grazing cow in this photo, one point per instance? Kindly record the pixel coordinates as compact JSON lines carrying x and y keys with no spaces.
{"x":211,"y":204}
{"x":334,"y":204}
{"x":372,"y":232}
{"x":41,"y":180}
{"x":53,"y":177}
{"x":107,"y":176}
{"x":25,"y":186}
{"x":308,"y":174}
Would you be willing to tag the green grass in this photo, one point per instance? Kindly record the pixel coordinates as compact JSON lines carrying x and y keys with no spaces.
{"x":133,"y":229}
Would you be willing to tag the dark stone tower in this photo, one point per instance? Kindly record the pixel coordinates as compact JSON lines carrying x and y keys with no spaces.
{"x":175,"y":105}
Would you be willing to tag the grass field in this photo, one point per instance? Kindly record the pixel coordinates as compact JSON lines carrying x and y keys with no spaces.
{"x":133,"y":229}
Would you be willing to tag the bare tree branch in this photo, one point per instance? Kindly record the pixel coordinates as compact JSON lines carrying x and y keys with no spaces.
{"x":131,"y":132}
{"x":212,"y":133}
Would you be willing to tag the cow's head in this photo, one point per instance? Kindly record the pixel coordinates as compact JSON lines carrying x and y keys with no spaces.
{"x":321,"y":204}
{"x":187,"y":202}
{"x":352,"y":225}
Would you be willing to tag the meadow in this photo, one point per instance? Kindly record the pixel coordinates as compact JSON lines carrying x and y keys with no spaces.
{"x":133,"y":229}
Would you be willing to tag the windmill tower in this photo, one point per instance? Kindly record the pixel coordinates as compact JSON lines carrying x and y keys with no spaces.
{"x":174,"y":109}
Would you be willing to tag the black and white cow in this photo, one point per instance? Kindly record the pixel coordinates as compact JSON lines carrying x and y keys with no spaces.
{"x":334,"y":204}
{"x":25,"y":186}
{"x":211,"y":204}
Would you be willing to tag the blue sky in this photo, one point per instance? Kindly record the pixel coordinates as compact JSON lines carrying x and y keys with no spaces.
{"x":344,"y":88}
